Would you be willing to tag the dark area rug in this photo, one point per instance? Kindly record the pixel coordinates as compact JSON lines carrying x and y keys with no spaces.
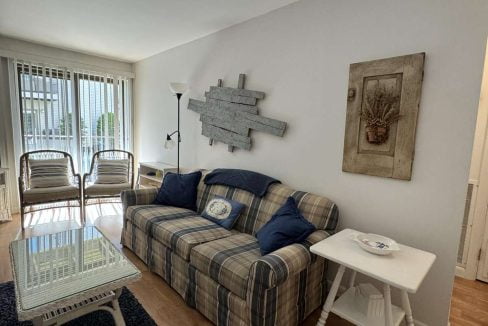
{"x":133,"y":312}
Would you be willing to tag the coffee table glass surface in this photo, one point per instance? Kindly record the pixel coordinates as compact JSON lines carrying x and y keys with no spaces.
{"x":62,"y":268}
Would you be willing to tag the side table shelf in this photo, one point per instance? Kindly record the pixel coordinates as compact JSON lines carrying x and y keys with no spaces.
{"x":345,"y":307}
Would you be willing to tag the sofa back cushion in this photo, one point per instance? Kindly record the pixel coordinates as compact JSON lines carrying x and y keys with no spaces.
{"x":318,"y":210}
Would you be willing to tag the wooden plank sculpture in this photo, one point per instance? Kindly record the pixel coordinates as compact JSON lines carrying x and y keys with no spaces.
{"x":229,"y":114}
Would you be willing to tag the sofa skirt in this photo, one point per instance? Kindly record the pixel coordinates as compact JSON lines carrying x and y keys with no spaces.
{"x":292,"y":301}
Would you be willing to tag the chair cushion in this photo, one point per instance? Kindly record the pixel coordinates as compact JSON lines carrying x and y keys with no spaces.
{"x":41,"y":195}
{"x":228,"y":261}
{"x":48,"y":173}
{"x":112,"y":171}
{"x":106,"y":189}
{"x":177,"y":228}
{"x":179,"y":190}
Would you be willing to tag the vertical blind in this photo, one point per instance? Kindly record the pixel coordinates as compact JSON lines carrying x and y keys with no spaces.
{"x":76,"y":111}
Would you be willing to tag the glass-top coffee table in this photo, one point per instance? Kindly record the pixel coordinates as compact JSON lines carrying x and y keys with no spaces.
{"x":61,"y":276}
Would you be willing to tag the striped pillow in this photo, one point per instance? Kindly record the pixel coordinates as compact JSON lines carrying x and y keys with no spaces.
{"x":49,"y":173}
{"x":112,"y":171}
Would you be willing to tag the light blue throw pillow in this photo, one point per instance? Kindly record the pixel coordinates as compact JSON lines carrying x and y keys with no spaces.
{"x":223,"y":211}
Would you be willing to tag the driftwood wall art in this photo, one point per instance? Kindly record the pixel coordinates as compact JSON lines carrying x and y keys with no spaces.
{"x":229,"y":114}
{"x":382,"y":106}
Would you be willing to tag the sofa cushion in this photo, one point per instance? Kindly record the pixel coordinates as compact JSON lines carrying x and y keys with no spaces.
{"x":228,"y":261}
{"x":106,"y":189}
{"x":177,"y":228}
{"x":179,"y":190}
{"x":285,"y":227}
{"x":223,"y":211}
{"x":41,"y":195}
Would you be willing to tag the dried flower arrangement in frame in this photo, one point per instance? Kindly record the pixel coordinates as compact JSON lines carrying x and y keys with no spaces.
{"x":382,"y":107}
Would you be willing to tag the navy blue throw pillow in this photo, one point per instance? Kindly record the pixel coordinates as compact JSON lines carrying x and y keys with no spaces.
{"x":223,"y":211}
{"x":286,"y":226}
{"x":179,"y":190}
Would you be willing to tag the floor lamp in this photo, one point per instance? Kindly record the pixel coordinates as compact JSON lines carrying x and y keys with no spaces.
{"x":178,"y":89}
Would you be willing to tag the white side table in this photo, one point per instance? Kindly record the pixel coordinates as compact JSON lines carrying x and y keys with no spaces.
{"x":404,"y":270}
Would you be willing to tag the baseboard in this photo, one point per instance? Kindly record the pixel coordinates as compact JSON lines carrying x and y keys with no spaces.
{"x":460,"y":271}
{"x":343,"y":289}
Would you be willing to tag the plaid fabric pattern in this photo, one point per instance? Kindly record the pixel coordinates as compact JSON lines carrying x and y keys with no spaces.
{"x":286,"y":304}
{"x":177,"y":228}
{"x":228,"y":261}
{"x":319,"y":210}
{"x":222,"y":273}
{"x":216,"y":302}
{"x":273,"y":269}
{"x":137,"y":197}
{"x":112,"y":171}
{"x":48,"y":173}
{"x":181,"y":235}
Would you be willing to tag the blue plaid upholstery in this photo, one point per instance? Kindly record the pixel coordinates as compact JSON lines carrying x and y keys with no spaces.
{"x":222,"y":273}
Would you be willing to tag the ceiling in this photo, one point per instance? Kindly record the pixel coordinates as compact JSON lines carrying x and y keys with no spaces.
{"x":128,"y":30}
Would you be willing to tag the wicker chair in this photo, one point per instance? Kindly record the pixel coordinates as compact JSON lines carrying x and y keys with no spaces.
{"x":106,"y":192}
{"x":34,"y":199}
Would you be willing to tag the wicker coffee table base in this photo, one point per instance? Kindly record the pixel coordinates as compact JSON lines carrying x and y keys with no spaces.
{"x":107,"y":301}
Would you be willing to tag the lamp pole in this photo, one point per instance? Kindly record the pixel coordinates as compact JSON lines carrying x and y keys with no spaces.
{"x":178,"y":96}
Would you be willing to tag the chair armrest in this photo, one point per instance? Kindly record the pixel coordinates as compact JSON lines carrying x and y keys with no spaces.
{"x":138,"y":197}
{"x":274,"y":268}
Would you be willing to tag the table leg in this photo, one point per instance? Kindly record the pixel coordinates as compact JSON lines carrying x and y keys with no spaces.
{"x":388,"y":311}
{"x":407,"y":308}
{"x":37,"y":321}
{"x":331,"y":297}
{"x":118,"y":318}
{"x":352,"y":279}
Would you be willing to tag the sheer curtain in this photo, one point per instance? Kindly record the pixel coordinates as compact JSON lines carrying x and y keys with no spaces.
{"x":80,"y":112}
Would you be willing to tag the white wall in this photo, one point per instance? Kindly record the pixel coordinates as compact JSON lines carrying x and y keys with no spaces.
{"x":300,"y":55}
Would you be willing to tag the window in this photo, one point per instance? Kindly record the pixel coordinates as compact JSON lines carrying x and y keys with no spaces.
{"x":77,"y":112}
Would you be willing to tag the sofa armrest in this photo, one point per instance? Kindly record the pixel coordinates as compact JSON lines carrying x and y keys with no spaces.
{"x":274,"y":268}
{"x":138,"y":197}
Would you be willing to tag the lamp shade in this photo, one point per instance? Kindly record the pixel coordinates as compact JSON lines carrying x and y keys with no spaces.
{"x":178,"y":88}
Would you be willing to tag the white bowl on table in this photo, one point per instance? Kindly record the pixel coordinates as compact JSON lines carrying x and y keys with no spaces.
{"x":376,"y":244}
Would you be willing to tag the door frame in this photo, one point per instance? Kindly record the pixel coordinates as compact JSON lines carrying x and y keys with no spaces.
{"x":477,"y":232}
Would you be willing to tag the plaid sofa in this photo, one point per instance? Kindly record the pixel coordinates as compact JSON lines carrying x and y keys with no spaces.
{"x":221,"y":273}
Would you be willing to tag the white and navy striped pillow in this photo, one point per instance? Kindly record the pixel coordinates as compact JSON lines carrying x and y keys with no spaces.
{"x":112,"y":171}
{"x":49,"y":173}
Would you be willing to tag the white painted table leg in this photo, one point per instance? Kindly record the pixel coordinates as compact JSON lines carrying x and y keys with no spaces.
{"x":331,"y":297}
{"x":37,"y":321}
{"x":352,"y":279}
{"x":388,"y":311}
{"x":407,"y":308}
{"x":118,"y":318}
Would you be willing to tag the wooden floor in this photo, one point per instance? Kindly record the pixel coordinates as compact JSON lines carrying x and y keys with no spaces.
{"x":469,"y":302}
